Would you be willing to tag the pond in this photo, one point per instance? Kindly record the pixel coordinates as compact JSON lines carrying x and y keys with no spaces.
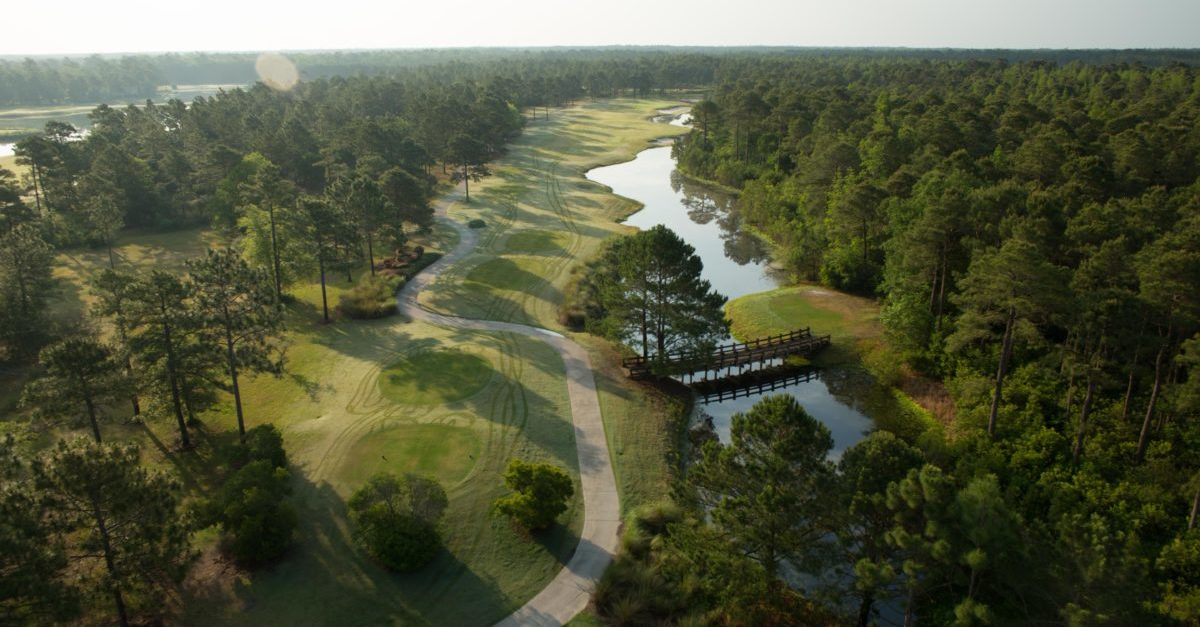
{"x":736,"y":263}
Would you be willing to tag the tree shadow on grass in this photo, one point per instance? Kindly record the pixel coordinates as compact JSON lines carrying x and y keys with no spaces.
{"x":196,"y":467}
{"x":558,"y":540}
{"x":326,"y":580}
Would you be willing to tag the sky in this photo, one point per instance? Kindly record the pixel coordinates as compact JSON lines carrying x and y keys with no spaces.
{"x":87,"y":26}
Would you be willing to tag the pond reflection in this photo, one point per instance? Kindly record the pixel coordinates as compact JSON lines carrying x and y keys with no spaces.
{"x":736,"y":263}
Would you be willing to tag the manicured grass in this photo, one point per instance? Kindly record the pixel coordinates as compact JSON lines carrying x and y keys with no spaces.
{"x":134,"y":251}
{"x":446,"y":453}
{"x":851,"y":321}
{"x":532,"y":242}
{"x":516,"y":274}
{"x":435,"y":378}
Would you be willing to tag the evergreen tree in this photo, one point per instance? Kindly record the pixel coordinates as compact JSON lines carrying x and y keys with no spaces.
{"x":237,"y":309}
{"x":651,"y":288}
{"x":25,"y":284}
{"x":771,"y":489}
{"x":123,"y":520}
{"x":82,"y":376}
{"x":34,"y":584}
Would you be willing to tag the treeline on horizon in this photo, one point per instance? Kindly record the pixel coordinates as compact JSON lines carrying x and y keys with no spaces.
{"x":93,"y":79}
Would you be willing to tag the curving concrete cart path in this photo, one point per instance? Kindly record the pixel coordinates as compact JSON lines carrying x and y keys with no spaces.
{"x":570,"y":591}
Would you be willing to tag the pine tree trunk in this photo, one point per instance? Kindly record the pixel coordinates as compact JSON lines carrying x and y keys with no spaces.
{"x":231,"y":357}
{"x":371,"y":253}
{"x":324,"y":299}
{"x":110,"y":563}
{"x":91,"y":409}
{"x":910,"y":616}
{"x":123,"y":336}
{"x":1084,"y":413}
{"x":1195,"y":509}
{"x":275,"y":255}
{"x":37,"y":195}
{"x":173,"y":375}
{"x":1137,"y":353}
{"x":1005,"y":350}
{"x":864,"y":609}
{"x":1144,"y":436}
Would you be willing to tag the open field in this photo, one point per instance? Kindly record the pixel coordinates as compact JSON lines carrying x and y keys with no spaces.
{"x":10,"y":163}
{"x":361,"y":397}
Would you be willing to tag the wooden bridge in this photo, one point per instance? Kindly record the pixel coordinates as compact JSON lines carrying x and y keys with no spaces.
{"x":799,"y":342}
{"x":754,"y":382}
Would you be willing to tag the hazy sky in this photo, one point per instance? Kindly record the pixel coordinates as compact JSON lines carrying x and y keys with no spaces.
{"x":78,"y":26}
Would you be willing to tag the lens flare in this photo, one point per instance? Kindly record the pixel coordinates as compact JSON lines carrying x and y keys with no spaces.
{"x":276,"y":71}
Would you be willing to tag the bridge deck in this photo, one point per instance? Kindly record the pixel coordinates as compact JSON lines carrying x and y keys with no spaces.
{"x":798,"y":342}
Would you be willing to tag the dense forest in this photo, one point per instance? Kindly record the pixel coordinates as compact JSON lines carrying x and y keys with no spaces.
{"x":1032,"y":228}
{"x":1033,"y":231}
{"x":96,"y":79}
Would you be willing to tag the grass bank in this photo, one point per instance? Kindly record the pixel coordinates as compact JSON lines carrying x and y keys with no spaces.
{"x":862,"y":368}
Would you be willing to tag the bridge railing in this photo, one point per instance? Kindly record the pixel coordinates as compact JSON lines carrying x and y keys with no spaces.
{"x":692,"y":356}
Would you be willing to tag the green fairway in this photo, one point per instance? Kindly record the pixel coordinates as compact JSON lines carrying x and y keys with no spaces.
{"x":851,"y":321}
{"x":446,"y":453}
{"x":543,"y":215}
{"x":434,"y":378}
{"x":533,"y":242}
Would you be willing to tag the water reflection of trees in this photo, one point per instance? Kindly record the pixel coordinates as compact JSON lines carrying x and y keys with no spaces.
{"x":705,"y":205}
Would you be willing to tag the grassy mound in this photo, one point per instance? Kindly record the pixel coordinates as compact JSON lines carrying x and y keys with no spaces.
{"x":444,"y":452}
{"x":434,"y":378}
{"x":534,"y":242}
{"x":516,"y":274}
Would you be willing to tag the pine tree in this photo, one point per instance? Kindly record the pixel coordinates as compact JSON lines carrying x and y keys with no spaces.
{"x":82,"y":375}
{"x":123,"y":520}
{"x":771,"y":487}
{"x":238,"y":312}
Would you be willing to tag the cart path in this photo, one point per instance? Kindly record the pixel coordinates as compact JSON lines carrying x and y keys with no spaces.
{"x":571,"y":590}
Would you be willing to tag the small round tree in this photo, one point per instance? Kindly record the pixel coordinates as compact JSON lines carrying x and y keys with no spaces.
{"x":395,"y":519}
{"x":541,"y":492}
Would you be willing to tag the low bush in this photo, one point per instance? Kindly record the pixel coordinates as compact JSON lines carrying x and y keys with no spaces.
{"x":251,"y":508}
{"x":373,"y":297}
{"x":541,"y":492}
{"x":476,"y":224}
{"x":254,"y":514}
{"x":396,"y":520}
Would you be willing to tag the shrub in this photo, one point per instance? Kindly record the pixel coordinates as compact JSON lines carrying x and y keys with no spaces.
{"x":251,"y":507}
{"x":254,"y":514}
{"x":476,"y":224}
{"x":373,"y":297}
{"x":541,"y":494}
{"x":395,"y":519}
{"x":262,"y":443}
